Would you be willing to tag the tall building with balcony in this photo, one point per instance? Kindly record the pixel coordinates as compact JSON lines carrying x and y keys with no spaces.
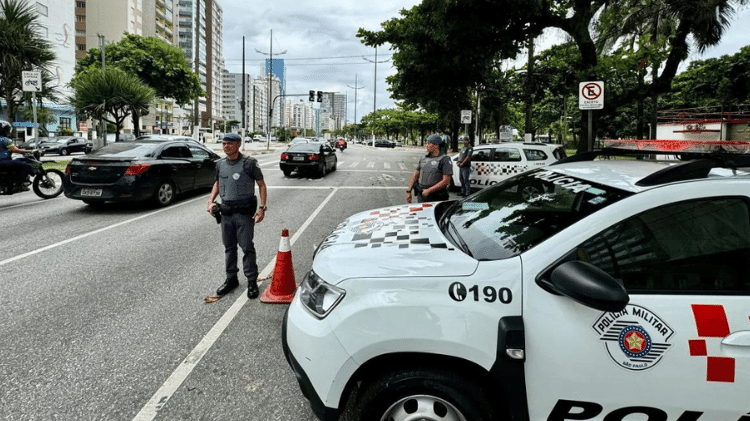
{"x":199,"y":35}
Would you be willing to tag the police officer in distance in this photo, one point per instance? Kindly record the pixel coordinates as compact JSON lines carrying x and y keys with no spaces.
{"x":433,"y":175}
{"x":236,"y":176}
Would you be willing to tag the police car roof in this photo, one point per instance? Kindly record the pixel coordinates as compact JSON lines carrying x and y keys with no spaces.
{"x":640,"y":175}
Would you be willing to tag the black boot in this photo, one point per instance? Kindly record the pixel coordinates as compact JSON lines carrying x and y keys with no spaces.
{"x":252,"y":289}
{"x":230,"y":284}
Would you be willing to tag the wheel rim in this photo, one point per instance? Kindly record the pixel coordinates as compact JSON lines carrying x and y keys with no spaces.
{"x":165,"y":193}
{"x":422,"y":407}
{"x":50,"y":184}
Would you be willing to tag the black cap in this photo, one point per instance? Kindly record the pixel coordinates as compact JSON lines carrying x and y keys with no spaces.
{"x":231,"y":137}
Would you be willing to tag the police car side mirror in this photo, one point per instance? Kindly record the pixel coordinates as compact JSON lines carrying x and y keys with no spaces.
{"x":589,"y":285}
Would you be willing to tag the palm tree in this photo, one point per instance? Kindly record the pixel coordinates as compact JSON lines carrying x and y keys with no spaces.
{"x":21,"y":48}
{"x":111,"y":95}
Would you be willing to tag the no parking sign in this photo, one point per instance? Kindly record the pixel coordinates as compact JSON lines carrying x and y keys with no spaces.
{"x":591,"y":95}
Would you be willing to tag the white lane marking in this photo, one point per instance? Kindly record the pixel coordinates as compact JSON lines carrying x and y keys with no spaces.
{"x":165,"y":392}
{"x":371,"y":164}
{"x":387,"y":165}
{"x":88,"y":234}
{"x":402,"y":166}
{"x":31,"y":203}
{"x":354,"y":164}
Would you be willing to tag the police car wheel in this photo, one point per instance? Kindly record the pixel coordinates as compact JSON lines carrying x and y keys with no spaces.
{"x":425,"y":394}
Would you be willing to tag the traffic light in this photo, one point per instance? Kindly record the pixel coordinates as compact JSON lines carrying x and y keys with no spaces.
{"x":312,"y":96}
{"x":320,"y":96}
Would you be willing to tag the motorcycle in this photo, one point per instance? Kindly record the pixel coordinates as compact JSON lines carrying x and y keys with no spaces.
{"x":46,"y":184}
{"x":341,"y":146}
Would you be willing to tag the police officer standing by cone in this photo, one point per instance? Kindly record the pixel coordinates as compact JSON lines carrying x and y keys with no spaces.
{"x":236,"y":176}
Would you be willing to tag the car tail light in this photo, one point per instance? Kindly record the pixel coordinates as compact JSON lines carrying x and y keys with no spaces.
{"x":67,"y":169}
{"x":314,"y":157}
{"x":284,"y":156}
{"x":137,"y":169}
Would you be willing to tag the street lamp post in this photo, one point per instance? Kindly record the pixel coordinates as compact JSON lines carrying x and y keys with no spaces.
{"x":375,"y":90}
{"x":270,"y":75}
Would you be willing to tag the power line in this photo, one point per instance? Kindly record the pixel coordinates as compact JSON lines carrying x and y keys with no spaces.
{"x":310,"y":58}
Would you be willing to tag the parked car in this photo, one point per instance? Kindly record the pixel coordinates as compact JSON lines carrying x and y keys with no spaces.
{"x":587,"y":290}
{"x":65,"y":145}
{"x":140,"y":170}
{"x":124,"y":137}
{"x":33,"y":142}
{"x":311,"y":156}
{"x":165,"y":138}
{"x":491,"y":164}
{"x":384,"y":143}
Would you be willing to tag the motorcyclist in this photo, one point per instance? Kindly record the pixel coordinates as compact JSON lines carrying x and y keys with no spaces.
{"x":341,"y":144}
{"x":7,"y":148}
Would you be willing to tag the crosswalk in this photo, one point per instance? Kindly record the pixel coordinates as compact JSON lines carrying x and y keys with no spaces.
{"x":373,"y":166}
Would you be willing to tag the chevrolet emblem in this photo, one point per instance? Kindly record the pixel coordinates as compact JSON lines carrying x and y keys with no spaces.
{"x":91,"y":168}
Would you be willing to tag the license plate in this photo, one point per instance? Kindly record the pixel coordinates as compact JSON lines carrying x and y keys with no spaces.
{"x":298,"y":158}
{"x":91,"y":192}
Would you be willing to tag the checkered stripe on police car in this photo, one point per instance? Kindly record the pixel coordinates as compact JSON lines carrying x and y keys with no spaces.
{"x":488,"y":168}
{"x":402,"y":228}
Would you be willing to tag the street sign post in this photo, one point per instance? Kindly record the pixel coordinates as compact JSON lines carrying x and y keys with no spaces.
{"x":466,"y":120}
{"x":591,"y":97}
{"x":32,"y":82}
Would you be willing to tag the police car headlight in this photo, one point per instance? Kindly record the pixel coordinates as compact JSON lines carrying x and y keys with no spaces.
{"x":318,"y":296}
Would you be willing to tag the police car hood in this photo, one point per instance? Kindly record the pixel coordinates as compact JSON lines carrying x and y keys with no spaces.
{"x":400,"y":241}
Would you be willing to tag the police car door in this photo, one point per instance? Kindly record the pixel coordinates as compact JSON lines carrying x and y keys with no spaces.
{"x":680,"y":349}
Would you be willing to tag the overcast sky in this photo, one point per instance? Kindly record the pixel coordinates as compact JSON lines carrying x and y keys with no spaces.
{"x":324,"y":54}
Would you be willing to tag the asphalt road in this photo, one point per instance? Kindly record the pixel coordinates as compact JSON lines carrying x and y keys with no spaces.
{"x":103,"y":315}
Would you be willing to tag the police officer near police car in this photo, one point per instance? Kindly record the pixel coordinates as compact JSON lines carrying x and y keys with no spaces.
{"x":236,"y":176}
{"x":433,"y":175}
{"x":464,"y":166}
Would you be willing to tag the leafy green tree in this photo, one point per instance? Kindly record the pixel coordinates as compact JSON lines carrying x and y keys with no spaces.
{"x":715,"y":81}
{"x":21,"y":48}
{"x":444,"y":47}
{"x":111,"y":95}
{"x":159,"y":65}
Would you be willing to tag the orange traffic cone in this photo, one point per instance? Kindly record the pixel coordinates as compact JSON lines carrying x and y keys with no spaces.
{"x":282,"y":285}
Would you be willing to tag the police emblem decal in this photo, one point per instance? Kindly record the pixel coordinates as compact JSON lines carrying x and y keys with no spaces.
{"x":635,"y":338}
{"x":236,"y":176}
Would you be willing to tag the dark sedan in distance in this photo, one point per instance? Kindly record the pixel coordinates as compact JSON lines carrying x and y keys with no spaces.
{"x":65,"y":145}
{"x":142,"y":170}
{"x":317,"y":157}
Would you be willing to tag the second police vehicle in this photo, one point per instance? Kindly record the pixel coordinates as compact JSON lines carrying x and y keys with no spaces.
{"x":615,"y":290}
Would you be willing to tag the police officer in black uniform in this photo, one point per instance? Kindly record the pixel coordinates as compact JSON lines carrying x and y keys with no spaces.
{"x":236,"y":176}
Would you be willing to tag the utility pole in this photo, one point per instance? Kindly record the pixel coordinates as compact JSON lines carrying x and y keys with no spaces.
{"x":243,"y":105}
{"x":375,"y":91}
{"x":103,"y":122}
{"x":356,"y":88}
{"x":197,"y":35}
{"x":270,"y":75}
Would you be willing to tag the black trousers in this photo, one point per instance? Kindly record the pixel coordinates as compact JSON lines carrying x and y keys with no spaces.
{"x":238,"y":230}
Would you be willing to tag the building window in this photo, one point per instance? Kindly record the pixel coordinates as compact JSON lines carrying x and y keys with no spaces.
{"x":42,"y":9}
{"x":81,"y":4}
{"x":80,"y":18}
{"x":81,"y":47}
{"x":80,"y":33}
{"x":64,"y":123}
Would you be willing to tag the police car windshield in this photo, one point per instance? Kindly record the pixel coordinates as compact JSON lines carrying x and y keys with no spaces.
{"x":516,"y":214}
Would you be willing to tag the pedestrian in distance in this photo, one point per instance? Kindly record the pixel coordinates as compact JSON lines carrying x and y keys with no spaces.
{"x":433,"y":174}
{"x":464,"y":166}
{"x":236,"y":176}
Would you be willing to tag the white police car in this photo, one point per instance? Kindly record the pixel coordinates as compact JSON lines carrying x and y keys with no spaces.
{"x":495,"y":162}
{"x":615,"y":290}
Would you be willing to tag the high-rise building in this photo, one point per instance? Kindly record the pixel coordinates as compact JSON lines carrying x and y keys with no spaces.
{"x":200,"y":33}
